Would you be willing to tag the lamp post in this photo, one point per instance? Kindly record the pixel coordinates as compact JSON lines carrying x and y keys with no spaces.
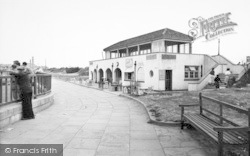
{"x":96,"y":73}
{"x":135,"y":88}
{"x":112,"y":73}
{"x":218,"y":46}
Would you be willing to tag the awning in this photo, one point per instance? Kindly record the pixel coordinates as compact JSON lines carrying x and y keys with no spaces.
{"x":129,"y":70}
{"x":192,"y":68}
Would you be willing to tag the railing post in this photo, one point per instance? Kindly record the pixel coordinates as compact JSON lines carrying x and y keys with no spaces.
{"x":221,"y":113}
{"x":35,"y":87}
{"x":6,"y":89}
{"x":11,"y":84}
{"x":248,"y":132}
{"x":200,"y":102}
{"x":1,"y":90}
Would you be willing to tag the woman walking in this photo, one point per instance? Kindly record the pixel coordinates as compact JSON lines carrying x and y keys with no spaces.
{"x":23,"y":82}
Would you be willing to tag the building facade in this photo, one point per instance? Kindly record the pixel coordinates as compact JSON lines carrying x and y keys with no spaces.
{"x":161,"y":60}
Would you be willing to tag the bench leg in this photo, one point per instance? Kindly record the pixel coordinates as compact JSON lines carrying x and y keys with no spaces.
{"x":182,"y":124}
{"x":220,"y":144}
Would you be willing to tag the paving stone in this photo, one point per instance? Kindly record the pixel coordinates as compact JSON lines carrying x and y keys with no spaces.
{"x":78,"y":152}
{"x":147,"y":153}
{"x":84,"y":143}
{"x":91,"y":134}
{"x":145,"y":145}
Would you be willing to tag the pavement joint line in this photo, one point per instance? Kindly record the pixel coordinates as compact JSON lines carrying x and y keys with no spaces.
{"x":151,"y":120}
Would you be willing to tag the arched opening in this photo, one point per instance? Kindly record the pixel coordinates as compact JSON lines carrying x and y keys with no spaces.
{"x":100,"y":74}
{"x":95,"y":76}
{"x":118,"y":76}
{"x":109,"y":75}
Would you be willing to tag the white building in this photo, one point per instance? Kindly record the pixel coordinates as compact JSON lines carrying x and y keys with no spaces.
{"x":161,"y":60}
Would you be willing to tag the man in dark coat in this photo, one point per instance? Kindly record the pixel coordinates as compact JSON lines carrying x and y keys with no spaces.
{"x":23,"y":82}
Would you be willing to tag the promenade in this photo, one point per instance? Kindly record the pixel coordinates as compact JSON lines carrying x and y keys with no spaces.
{"x":89,"y":122}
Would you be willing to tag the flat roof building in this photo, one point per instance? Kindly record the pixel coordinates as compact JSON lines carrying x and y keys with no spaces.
{"x":160,"y":60}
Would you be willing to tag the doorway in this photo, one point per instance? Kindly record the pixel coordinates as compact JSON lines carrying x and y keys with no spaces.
{"x":168,"y":80}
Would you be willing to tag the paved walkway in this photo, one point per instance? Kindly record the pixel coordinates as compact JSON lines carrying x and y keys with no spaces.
{"x":90,"y":122}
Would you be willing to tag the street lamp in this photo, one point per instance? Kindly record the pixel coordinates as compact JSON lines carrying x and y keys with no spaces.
{"x":112,"y":73}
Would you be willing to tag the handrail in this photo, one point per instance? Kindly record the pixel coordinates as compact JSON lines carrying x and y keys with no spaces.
{"x":239,"y":109}
{"x":9,"y":92}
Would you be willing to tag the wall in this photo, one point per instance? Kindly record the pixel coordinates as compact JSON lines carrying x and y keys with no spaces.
{"x":155,"y":63}
{"x":12,"y":113}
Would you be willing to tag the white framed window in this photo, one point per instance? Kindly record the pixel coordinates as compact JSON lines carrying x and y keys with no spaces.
{"x":128,"y":76}
{"x":191,"y":72}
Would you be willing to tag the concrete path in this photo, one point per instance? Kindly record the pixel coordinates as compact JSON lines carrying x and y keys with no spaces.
{"x":90,"y":122}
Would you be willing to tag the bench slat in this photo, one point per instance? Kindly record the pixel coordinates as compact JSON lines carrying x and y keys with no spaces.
{"x":206,"y":126}
{"x":227,"y":136}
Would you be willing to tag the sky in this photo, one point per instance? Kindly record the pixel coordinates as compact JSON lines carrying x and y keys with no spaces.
{"x":69,"y":33}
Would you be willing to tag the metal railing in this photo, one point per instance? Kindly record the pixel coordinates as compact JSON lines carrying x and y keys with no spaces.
{"x":9,"y":91}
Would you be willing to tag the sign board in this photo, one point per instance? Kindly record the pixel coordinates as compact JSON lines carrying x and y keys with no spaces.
{"x":151,"y":57}
{"x":212,"y":27}
{"x":161,"y":74}
{"x":129,"y":63}
{"x":248,"y":59}
{"x":168,"y":57}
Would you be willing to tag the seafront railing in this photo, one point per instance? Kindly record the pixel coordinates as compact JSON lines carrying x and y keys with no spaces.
{"x":9,"y":92}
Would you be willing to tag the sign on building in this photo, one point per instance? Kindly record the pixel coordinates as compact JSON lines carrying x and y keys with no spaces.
{"x":162,"y":74}
{"x":129,"y":63}
{"x":211,"y":28}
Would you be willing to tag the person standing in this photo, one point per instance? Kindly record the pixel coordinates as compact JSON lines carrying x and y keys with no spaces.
{"x":27,"y":69}
{"x":217,"y":82}
{"x":212,"y":76}
{"x":23,"y":82}
{"x":227,"y":76}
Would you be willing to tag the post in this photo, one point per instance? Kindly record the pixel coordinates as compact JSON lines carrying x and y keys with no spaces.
{"x":221,"y":113}
{"x":190,"y":48}
{"x":218,"y":46}
{"x":248,"y":132}
{"x":35,"y":87}
{"x":11,"y":98}
{"x":1,"y":90}
{"x":200,"y":101}
{"x":220,"y":143}
{"x":182,"y":120}
{"x":6,"y":89}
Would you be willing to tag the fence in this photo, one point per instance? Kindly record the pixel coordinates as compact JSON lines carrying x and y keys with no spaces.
{"x":9,"y":93}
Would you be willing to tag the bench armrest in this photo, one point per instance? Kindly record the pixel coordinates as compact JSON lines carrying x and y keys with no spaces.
{"x":224,"y":129}
{"x":193,"y":105}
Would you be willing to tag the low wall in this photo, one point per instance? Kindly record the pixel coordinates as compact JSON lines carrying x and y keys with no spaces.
{"x":12,"y":113}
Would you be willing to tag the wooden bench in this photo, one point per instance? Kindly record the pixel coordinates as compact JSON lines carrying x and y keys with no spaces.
{"x":230,"y":135}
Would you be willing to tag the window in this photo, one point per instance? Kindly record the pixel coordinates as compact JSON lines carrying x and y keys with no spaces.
{"x":191,"y":72}
{"x":129,"y":76}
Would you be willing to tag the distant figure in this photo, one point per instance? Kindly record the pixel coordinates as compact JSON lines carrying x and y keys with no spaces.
{"x":212,"y":76}
{"x":23,"y":82}
{"x":217,"y":82}
{"x":27,"y":69}
{"x":227,"y":75}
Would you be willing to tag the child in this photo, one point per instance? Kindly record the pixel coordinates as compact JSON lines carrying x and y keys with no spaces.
{"x":217,"y":82}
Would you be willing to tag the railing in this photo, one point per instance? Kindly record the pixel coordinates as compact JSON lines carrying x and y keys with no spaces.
{"x":9,"y":92}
